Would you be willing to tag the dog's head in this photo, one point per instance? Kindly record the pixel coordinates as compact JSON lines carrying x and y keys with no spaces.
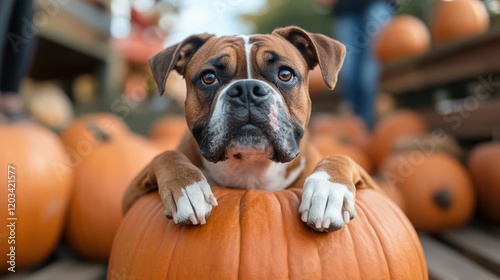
{"x":249,"y":95}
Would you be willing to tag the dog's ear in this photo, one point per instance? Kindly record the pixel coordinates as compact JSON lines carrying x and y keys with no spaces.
{"x":317,"y":49}
{"x":176,"y":58}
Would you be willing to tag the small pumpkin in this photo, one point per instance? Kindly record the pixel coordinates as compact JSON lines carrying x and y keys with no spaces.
{"x":458,"y":19}
{"x":392,"y":191}
{"x":391,"y":128}
{"x":79,"y":139}
{"x":167,"y":132}
{"x":256,"y":234}
{"x":346,"y":126}
{"x":437,"y":190}
{"x":484,"y":167}
{"x":403,"y":37}
{"x":100,"y":181}
{"x":40,"y":178}
{"x":329,"y":146}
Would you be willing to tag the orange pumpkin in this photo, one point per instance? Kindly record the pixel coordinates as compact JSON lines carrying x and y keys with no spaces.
{"x":403,"y":37}
{"x":167,"y":132}
{"x":483,"y":165}
{"x":329,"y":146}
{"x":256,"y":234}
{"x":79,"y":139}
{"x":392,"y":191}
{"x":391,"y":128}
{"x":436,"y":188}
{"x":347,"y":126}
{"x":100,"y":181}
{"x":458,"y":19}
{"x":42,"y":188}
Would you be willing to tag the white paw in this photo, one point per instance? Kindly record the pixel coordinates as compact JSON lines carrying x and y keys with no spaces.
{"x":195,"y":204}
{"x":326,"y":206}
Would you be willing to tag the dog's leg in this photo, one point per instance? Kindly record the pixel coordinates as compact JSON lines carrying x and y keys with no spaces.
{"x":184,"y":191}
{"x":328,"y":198}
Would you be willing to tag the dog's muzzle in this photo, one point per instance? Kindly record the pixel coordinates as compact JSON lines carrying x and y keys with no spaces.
{"x":249,"y":117}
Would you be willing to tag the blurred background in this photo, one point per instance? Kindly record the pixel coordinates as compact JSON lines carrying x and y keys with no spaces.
{"x":97,"y":50}
{"x":417,"y":105}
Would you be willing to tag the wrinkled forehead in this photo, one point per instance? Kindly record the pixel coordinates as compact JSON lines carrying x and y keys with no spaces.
{"x":241,"y":48}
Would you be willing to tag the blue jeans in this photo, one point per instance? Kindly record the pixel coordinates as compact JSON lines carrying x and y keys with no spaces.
{"x":360,"y":73}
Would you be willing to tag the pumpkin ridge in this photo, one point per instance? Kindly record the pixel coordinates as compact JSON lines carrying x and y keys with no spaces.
{"x":412,"y":234}
{"x":150,"y":212}
{"x":369,"y":221}
{"x":354,"y":247}
{"x":284,"y":230}
{"x":174,"y":248}
{"x":240,"y":223}
{"x":154,"y":211}
{"x":131,"y":257}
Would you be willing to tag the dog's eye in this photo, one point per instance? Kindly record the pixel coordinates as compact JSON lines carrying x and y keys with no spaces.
{"x":209,"y":78}
{"x":285,"y":75}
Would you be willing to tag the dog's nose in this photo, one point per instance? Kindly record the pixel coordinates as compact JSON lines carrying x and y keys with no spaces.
{"x":245,"y":91}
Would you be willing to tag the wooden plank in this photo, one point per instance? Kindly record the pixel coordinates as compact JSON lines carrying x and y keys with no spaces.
{"x":445,"y":263}
{"x":477,"y":123}
{"x":444,"y":65}
{"x":478,"y":245}
{"x":14,"y":275}
{"x":69,"y":269}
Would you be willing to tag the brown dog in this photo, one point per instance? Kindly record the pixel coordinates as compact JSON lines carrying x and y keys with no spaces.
{"x":247,"y":108}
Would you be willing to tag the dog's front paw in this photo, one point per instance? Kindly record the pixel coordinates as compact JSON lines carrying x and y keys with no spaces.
{"x":192,"y":205}
{"x":326,"y":206}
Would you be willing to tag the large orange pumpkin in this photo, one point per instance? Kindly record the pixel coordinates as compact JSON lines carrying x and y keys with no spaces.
{"x":167,"y":132}
{"x":458,"y":19}
{"x":78,"y":138}
{"x":256,"y":234}
{"x":100,"y":181}
{"x":437,"y":189}
{"x":484,"y":167}
{"x":42,"y":187}
{"x":391,"y":128}
{"x":403,"y":37}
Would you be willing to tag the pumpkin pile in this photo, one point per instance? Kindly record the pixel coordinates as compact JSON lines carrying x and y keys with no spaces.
{"x":107,"y":156}
{"x":167,"y":132}
{"x":344,"y":134}
{"x":421,"y":171}
{"x":36,"y":184}
{"x":256,"y":234}
{"x":253,"y":234}
{"x":394,"y":127}
{"x":406,"y":36}
{"x":484,"y":167}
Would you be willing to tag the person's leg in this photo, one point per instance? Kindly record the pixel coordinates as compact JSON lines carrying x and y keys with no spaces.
{"x":375,"y":18}
{"x":17,"y":57}
{"x":6,"y":7}
{"x":345,"y":33}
